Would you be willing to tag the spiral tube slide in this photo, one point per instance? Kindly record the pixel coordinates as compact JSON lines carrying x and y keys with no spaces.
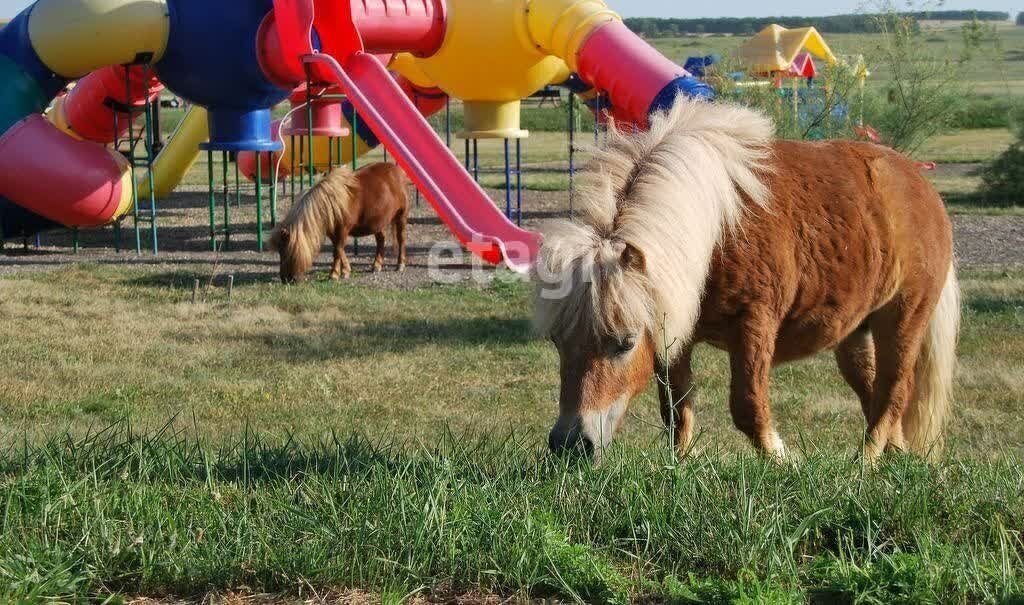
{"x":103,"y":101}
{"x":65,"y":177}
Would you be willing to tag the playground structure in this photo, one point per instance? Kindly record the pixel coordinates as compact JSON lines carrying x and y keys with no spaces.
{"x":784,"y":59}
{"x":773,"y":51}
{"x":235,"y":61}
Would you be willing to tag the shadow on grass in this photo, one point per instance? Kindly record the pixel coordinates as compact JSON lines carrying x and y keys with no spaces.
{"x":397,"y":336}
{"x":980,"y":202}
{"x":174,"y":454}
{"x":993,"y":305}
{"x":183,"y":279}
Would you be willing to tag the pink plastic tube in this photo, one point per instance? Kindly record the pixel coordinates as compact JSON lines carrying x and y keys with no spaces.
{"x":388,"y":26}
{"x":86,"y":191}
{"x":633,"y":73}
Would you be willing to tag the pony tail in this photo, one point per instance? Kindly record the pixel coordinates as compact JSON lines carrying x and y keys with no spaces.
{"x":925,"y":417}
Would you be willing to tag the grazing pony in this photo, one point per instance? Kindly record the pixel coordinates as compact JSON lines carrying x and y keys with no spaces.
{"x":344,"y":203}
{"x":706,"y":229}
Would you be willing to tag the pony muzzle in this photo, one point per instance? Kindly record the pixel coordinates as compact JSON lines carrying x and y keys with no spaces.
{"x":568,"y":439}
{"x":589,"y":432}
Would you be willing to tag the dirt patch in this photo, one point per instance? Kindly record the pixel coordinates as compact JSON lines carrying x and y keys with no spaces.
{"x":988,"y":241}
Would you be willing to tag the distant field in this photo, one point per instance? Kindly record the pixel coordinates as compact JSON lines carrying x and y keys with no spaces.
{"x":988,"y":72}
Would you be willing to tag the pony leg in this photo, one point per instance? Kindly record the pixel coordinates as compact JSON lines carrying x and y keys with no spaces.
{"x":378,"y":260}
{"x":856,"y":359}
{"x":400,"y":225}
{"x":341,"y":268}
{"x":677,"y":412}
{"x":898,"y":329}
{"x":750,"y":362}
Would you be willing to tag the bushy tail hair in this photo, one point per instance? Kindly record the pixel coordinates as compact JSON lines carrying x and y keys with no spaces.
{"x":925,"y":418}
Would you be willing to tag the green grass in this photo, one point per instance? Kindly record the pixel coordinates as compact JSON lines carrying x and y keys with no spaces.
{"x":966,"y":146}
{"x":341,"y":436}
{"x":116,"y":512}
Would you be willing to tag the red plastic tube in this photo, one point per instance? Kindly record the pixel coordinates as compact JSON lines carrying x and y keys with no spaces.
{"x":86,"y":191}
{"x":327,"y":120}
{"x":616,"y":60}
{"x":389,"y":26}
{"x":379,"y":27}
{"x":101,"y":99}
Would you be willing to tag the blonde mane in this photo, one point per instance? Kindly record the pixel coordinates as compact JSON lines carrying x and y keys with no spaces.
{"x":654,"y":207}
{"x":301,"y":234}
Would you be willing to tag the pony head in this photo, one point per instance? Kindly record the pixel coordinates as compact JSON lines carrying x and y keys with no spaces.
{"x":599,"y":314}
{"x":620,"y":286}
{"x":296,"y":257}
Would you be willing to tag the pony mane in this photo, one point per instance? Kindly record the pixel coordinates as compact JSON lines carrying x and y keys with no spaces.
{"x":654,"y":206}
{"x":316,"y":213}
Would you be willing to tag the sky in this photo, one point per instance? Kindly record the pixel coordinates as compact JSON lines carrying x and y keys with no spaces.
{"x":722,"y":8}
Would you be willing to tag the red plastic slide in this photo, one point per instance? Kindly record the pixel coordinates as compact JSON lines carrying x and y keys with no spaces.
{"x":457,"y":198}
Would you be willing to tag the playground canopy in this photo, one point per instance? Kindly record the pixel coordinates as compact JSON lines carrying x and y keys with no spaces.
{"x":803,"y":66}
{"x":775,"y":48}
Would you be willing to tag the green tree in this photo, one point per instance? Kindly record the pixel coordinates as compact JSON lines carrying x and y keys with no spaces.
{"x":925,"y":91}
{"x":1002,"y":181}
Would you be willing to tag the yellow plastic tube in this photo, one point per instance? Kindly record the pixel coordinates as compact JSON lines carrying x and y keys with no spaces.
{"x":58,"y":118}
{"x":324,"y":155}
{"x":74,"y":38}
{"x":559,"y":27}
{"x":178,"y":155}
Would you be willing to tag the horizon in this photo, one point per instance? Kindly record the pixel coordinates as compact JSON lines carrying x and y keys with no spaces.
{"x":731,"y":9}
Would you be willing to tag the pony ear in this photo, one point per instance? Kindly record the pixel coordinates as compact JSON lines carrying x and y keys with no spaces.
{"x":632,"y":259}
{"x":278,"y":238}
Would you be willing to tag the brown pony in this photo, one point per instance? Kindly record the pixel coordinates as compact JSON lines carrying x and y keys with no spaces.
{"x":344,"y":203}
{"x":706,"y":230}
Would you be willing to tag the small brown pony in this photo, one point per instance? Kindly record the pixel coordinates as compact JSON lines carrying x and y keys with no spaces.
{"x":344,"y":203}
{"x":706,"y":230}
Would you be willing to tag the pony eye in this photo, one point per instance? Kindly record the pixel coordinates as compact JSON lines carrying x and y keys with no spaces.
{"x":626,"y":344}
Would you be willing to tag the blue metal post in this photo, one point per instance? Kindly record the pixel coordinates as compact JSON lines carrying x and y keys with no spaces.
{"x":508,"y":184}
{"x":519,"y":182}
{"x":476,"y":161}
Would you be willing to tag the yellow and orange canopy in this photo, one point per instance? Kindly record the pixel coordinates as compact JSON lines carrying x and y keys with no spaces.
{"x":775,"y":48}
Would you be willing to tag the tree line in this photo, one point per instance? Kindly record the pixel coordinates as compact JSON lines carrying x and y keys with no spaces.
{"x":654,"y":27}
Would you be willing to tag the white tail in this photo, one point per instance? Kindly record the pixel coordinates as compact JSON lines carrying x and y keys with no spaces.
{"x":925,"y":418}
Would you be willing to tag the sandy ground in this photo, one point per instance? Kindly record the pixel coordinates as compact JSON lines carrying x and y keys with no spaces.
{"x":981,"y":241}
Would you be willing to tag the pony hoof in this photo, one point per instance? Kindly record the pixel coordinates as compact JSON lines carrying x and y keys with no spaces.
{"x":346,"y":275}
{"x":377,"y":268}
{"x":401,"y":267}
